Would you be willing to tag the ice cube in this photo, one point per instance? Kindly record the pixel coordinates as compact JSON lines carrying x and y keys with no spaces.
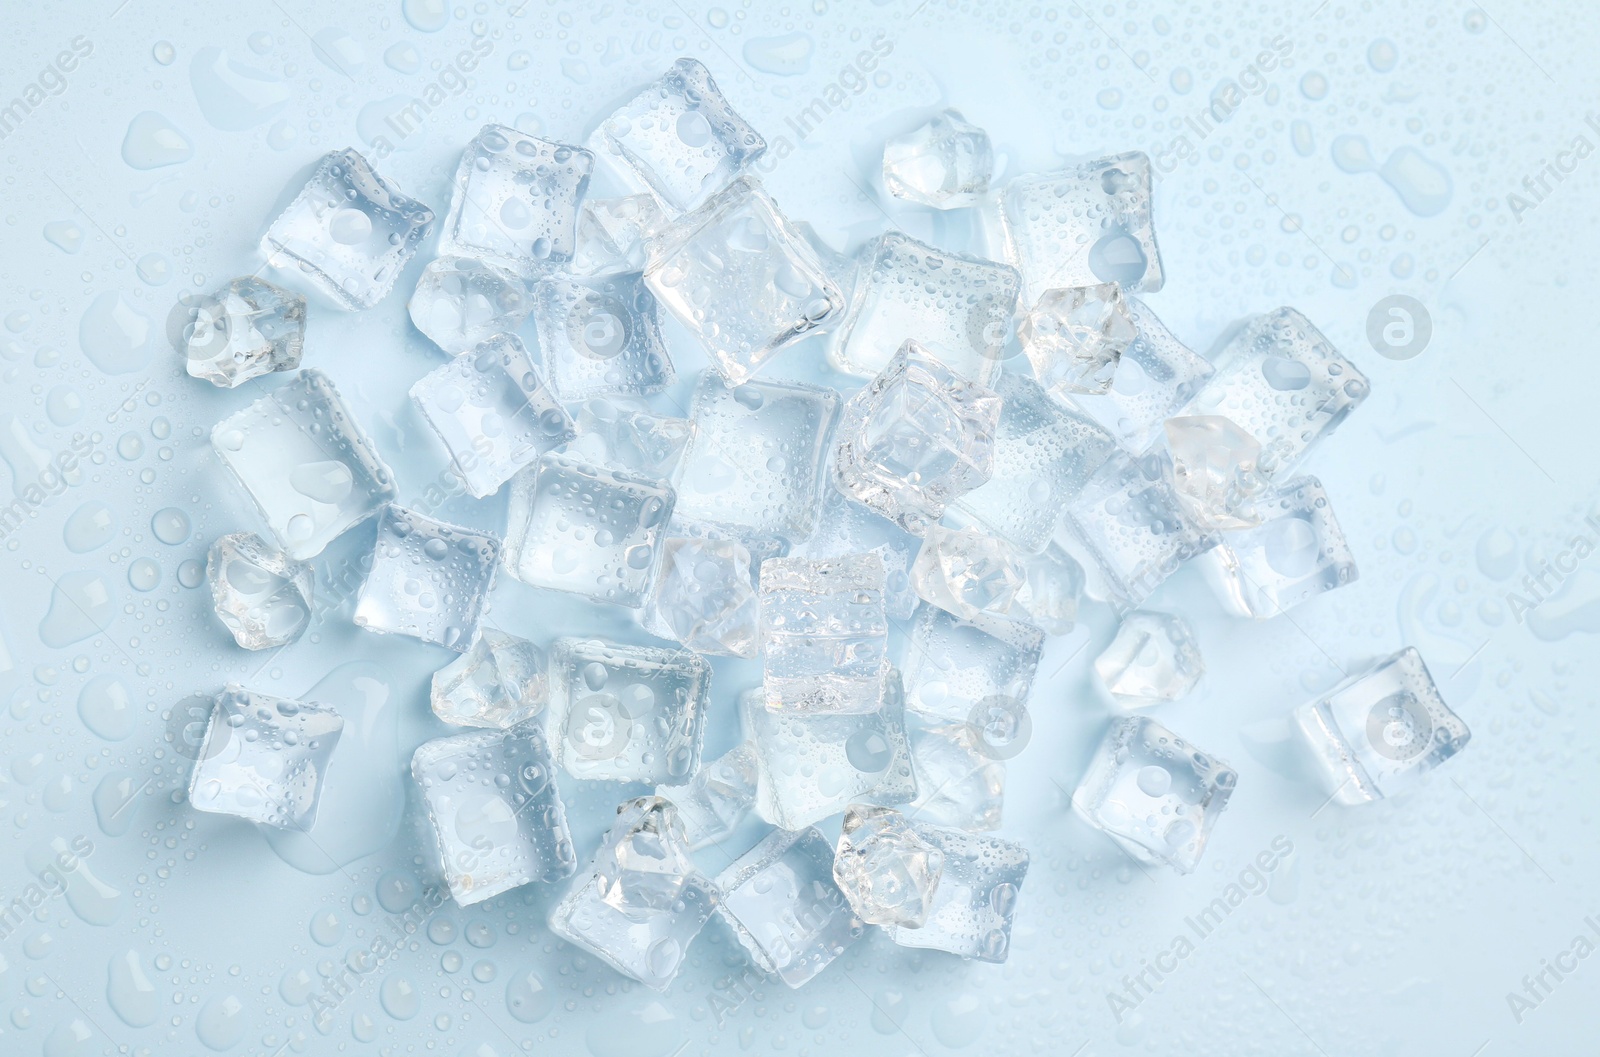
{"x":847,"y":527}
{"x":976,"y":900}
{"x":1153,"y":658}
{"x":428,"y":579}
{"x":957,"y":669}
{"x":496,"y":813}
{"x":461,"y":302}
{"x":245,"y":330}
{"x":303,"y":460}
{"x":1074,"y":337}
{"x":1043,"y":455}
{"x":786,"y":910}
{"x":680,"y":138}
{"x":263,"y":758}
{"x":959,"y":308}
{"x":514,"y":201}
{"x":961,"y":781}
{"x":705,"y":598}
{"x":600,"y":336}
{"x":1156,"y":376}
{"x":1085,"y":224}
{"x":627,"y":713}
{"x":1052,"y":584}
{"x":812,"y":766}
{"x":1297,"y":553}
{"x":498,"y":683}
{"x":967,"y":572}
{"x":884,"y":868}
{"x":493,"y":412}
{"x":591,"y":531}
{"x":643,"y":901}
{"x":1214,"y":470}
{"x":349,"y":231}
{"x":717,"y":798}
{"x":1154,"y":793}
{"x":945,"y":163}
{"x":738,"y":276}
{"x":824,"y":633}
{"x":1283,"y":383}
{"x":1375,"y":734}
{"x":756,"y":461}
{"x":642,"y":442}
{"x":612,"y":233}
{"x":260,"y":595}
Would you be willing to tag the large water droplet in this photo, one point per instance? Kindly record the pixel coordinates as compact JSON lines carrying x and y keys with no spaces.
{"x":234,"y":97}
{"x":153,"y":142}
{"x":81,"y":605}
{"x":89,"y":527}
{"x":221,"y":1023}
{"x":129,"y":991}
{"x":115,"y":336}
{"x":106,"y":708}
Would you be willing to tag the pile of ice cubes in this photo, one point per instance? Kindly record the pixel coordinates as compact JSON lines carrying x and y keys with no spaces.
{"x":890,"y":552}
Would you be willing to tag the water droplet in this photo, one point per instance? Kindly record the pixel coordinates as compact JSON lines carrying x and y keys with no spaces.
{"x":170,"y":525}
{"x":163,"y":52}
{"x":788,"y":55}
{"x":64,"y":235}
{"x":106,"y":708}
{"x":129,"y":992}
{"x":81,"y":605}
{"x":234,"y":97}
{"x":89,"y":527}
{"x":428,"y":16}
{"x":154,"y":142}
{"x":144,"y":574}
{"x":222,"y":1022}
{"x":115,"y":336}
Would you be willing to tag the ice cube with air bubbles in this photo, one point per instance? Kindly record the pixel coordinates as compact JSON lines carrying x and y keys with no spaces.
{"x":643,"y":900}
{"x":1075,"y":337}
{"x":264,"y":758}
{"x":627,"y":713}
{"x":428,"y":579}
{"x":495,"y":811}
{"x":975,"y":903}
{"x":705,"y":597}
{"x":1214,"y":470}
{"x":824,"y":634}
{"x":600,"y":336}
{"x":721,"y":794}
{"x":945,"y":163}
{"x":885,"y":868}
{"x":493,"y":412}
{"x":956,"y":669}
{"x":514,"y":201}
{"x":259,"y":594}
{"x":1153,"y":793}
{"x":349,"y":231}
{"x":247,"y":329}
{"x":1295,"y":554}
{"x":1154,"y":658}
{"x":497,"y":683}
{"x":610,"y":433}
{"x":460,"y":302}
{"x":613,"y":234}
{"x":1156,"y":376}
{"x":967,"y":572}
{"x":1377,"y":733}
{"x":961,"y":773}
{"x":307,"y":465}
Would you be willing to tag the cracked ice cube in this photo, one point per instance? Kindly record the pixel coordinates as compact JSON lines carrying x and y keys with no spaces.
{"x":782,"y":902}
{"x":613,"y":233}
{"x":705,"y":597}
{"x":945,"y":163}
{"x":627,"y":713}
{"x":428,"y":579}
{"x":717,"y":798}
{"x":600,"y":336}
{"x":1154,"y":793}
{"x":591,"y":531}
{"x":643,"y":900}
{"x":961,"y":781}
{"x":1156,"y":376}
{"x":640,"y":442}
{"x":1375,"y":734}
{"x":884,"y":867}
{"x":247,"y":329}
{"x":514,"y":201}
{"x":310,"y":469}
{"x":1214,"y":470}
{"x":976,"y":899}
{"x":1074,"y":338}
{"x":914,"y":439}
{"x":1153,"y":658}
{"x":741,"y":279}
{"x":263,"y":758}
{"x":1297,"y":553}
{"x":493,"y":412}
{"x":959,"y":670}
{"x":967,"y":572}
{"x":959,"y":308}
{"x":260,"y":595}
{"x":825,"y":635}
{"x":349,"y":231}
{"x":498,"y":683}
{"x":495,"y":811}
{"x":680,"y":138}
{"x":461,"y":302}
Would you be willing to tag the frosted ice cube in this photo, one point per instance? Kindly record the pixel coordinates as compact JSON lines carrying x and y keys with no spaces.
{"x":245,"y":330}
{"x":643,"y":901}
{"x":956,"y":668}
{"x":1085,"y":224}
{"x":461,"y":302}
{"x":1156,"y":376}
{"x":263,"y":758}
{"x":349,"y":231}
{"x":591,"y":531}
{"x":976,"y":900}
{"x":514,"y":201}
{"x":884,"y":868}
{"x":847,"y":527}
{"x":1154,"y":793}
{"x":1074,"y":338}
{"x":1153,"y":658}
{"x":303,"y":460}
{"x":1283,"y":383}
{"x":1214,"y":470}
{"x":824,"y":634}
{"x":717,"y":798}
{"x":610,"y":434}
{"x":600,"y":336}
{"x":945,"y":163}
{"x":961,"y":782}
{"x":498,"y":683}
{"x":705,"y":597}
{"x":613,"y":232}
{"x":680,"y":138}
{"x":967,"y":572}
{"x":739,"y":277}
{"x":495,"y":811}
{"x":786,"y":910}
{"x":493,"y":412}
{"x":627,"y":713}
{"x":428,"y":579}
{"x":261,"y":596}
{"x":1297,"y":553}
{"x":1043,"y":455}
{"x":1052,"y":584}
{"x":959,"y":308}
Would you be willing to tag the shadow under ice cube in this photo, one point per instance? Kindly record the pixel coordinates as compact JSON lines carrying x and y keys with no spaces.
{"x":261,"y":596}
{"x":515,"y":201}
{"x":263,"y":758}
{"x":976,"y":898}
{"x":428,"y":579}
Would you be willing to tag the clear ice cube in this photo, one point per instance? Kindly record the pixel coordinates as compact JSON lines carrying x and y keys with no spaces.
{"x":1214,"y":470}
{"x":1156,"y":376}
{"x":847,"y":527}
{"x":1296,"y":553}
{"x":498,"y":683}
{"x":824,"y":634}
{"x":884,"y":867}
{"x":976,"y":900}
{"x":461,"y":302}
{"x":245,"y":330}
{"x":967,"y":572}
{"x":613,"y":233}
{"x":428,"y":579}
{"x":961,"y":782}
{"x":600,"y":336}
{"x":960,"y":670}
{"x":1074,"y":337}
{"x":263,"y":758}
{"x":1052,"y":584}
{"x":945,"y":163}
{"x":719,"y":796}
{"x":1153,"y":658}
{"x":641,"y":442}
{"x":705,"y":598}
{"x":261,"y":596}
